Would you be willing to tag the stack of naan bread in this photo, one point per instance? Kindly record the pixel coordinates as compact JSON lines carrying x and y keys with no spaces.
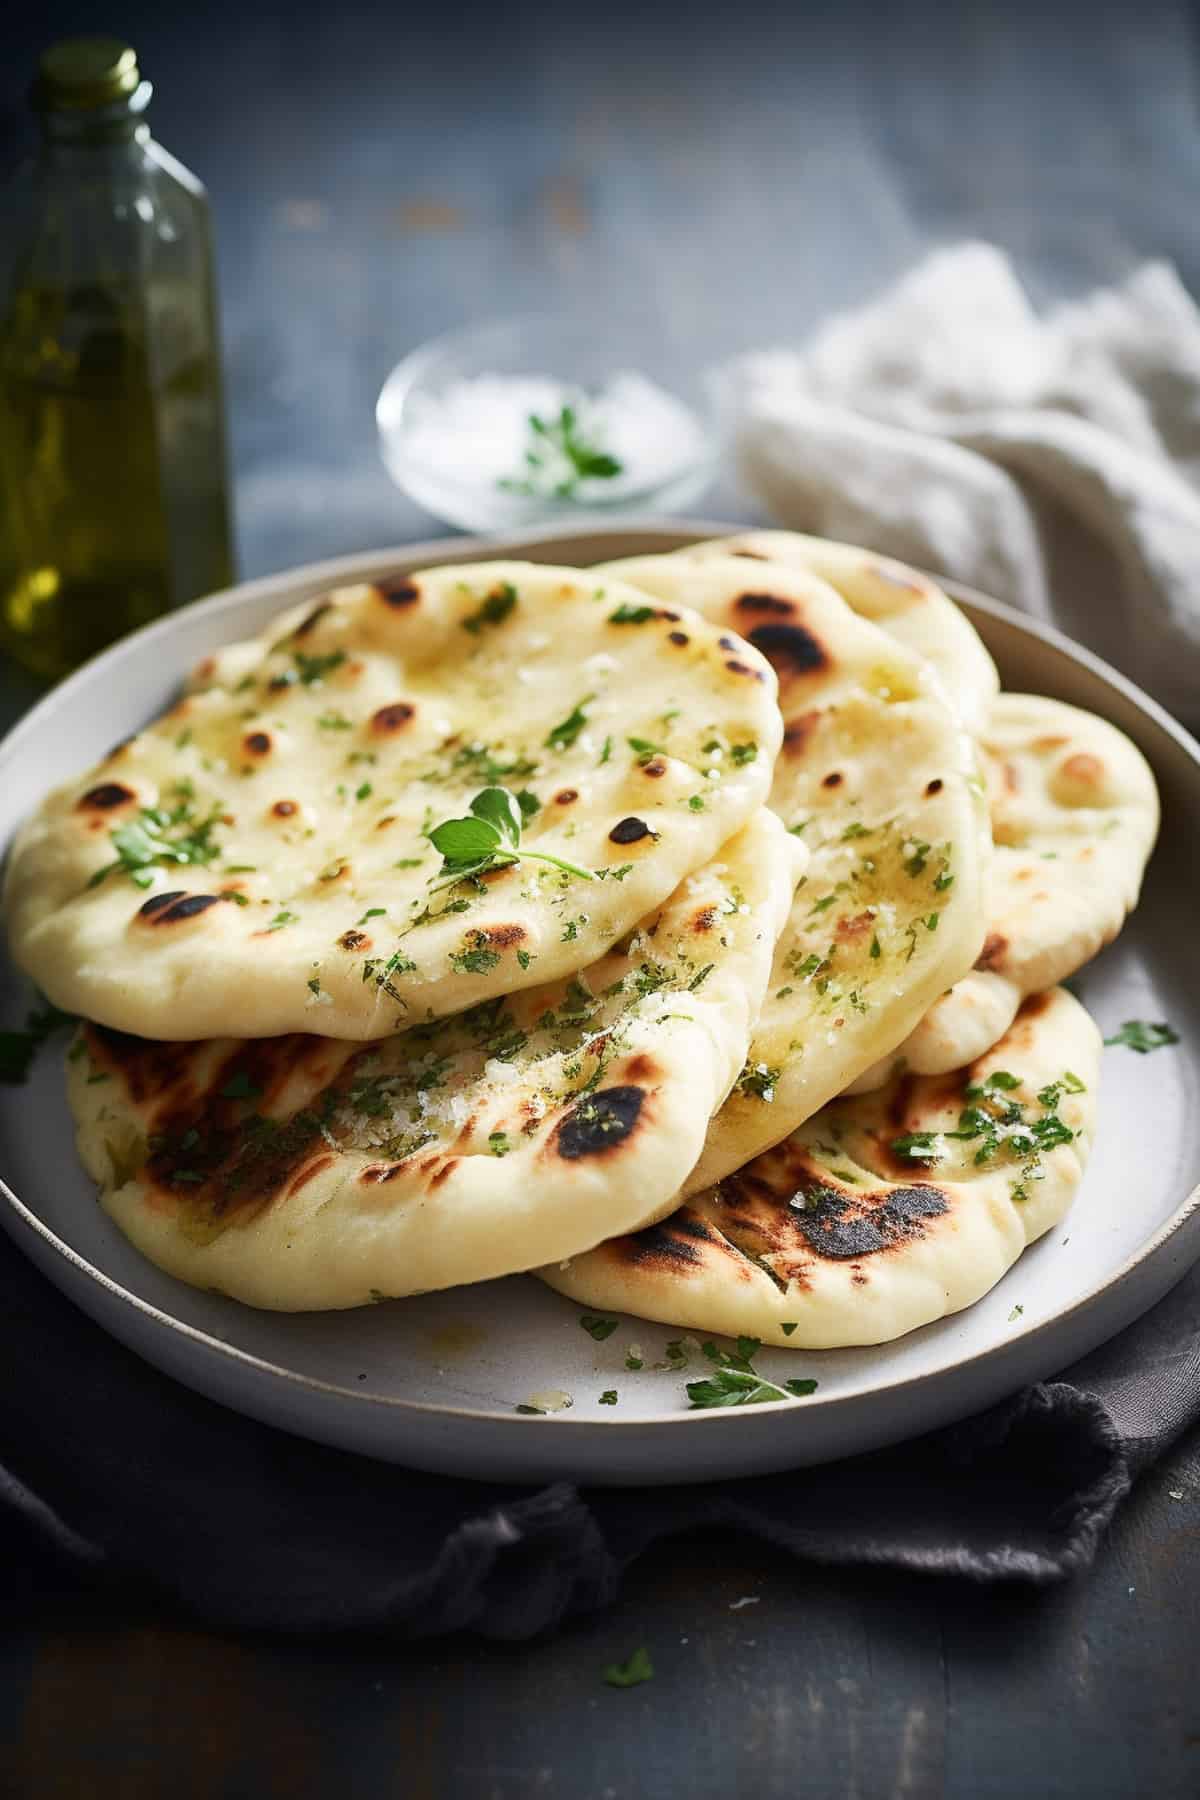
{"x":747,"y":1023}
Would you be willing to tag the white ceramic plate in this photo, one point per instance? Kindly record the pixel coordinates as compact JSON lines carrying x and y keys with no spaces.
{"x":434,"y":1382}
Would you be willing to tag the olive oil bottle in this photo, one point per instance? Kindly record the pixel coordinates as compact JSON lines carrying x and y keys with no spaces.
{"x":113,"y":487}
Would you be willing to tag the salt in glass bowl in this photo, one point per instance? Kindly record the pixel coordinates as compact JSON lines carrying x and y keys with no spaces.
{"x":543,"y":420}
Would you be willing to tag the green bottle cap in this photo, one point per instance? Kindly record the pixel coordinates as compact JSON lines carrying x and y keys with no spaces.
{"x":84,"y":73}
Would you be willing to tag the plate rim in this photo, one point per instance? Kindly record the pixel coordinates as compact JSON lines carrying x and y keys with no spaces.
{"x":364,"y":565}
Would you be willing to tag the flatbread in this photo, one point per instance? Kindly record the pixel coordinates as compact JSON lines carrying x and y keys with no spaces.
{"x":305,"y":767}
{"x":903,"y":602}
{"x":880,"y":780}
{"x":832,"y":1239}
{"x":301,"y":1173}
{"x":1074,"y":818}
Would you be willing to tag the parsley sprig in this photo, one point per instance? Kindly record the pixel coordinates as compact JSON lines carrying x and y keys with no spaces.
{"x":489,"y":838}
{"x":736,"y":1382}
{"x":175,"y":834}
{"x":560,"y":455}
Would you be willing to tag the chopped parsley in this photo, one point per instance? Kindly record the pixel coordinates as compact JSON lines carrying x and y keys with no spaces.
{"x":312,"y":669}
{"x":363,"y":791}
{"x":563,"y":735}
{"x":175,"y":834}
{"x":1136,"y":1034}
{"x":631,"y":615}
{"x":493,"y":610}
{"x":332,"y":720}
{"x":915,"y":861}
{"x":380,"y":971}
{"x":758,"y":1082}
{"x":1000,"y":1126}
{"x":476,"y":960}
{"x":283,"y":918}
{"x":637,"y":1669}
{"x":743,"y":753}
{"x":696,"y":802}
{"x":643,"y":749}
{"x":609,"y":1397}
{"x":597,"y":1326}
{"x":498,"y":1143}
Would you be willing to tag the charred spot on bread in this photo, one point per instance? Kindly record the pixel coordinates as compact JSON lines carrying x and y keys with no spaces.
{"x":398,"y":591}
{"x":790,"y":649}
{"x":105,"y":797}
{"x":392,"y":718}
{"x":600,"y":1123}
{"x":629,"y":831}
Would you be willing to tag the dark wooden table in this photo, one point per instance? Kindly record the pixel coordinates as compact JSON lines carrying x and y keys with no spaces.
{"x":736,"y":171}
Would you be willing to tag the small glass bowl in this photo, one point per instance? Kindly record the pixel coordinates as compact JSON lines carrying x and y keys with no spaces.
{"x":455,"y":431}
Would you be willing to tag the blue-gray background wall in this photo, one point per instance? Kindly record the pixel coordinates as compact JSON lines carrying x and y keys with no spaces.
{"x":380,"y":173}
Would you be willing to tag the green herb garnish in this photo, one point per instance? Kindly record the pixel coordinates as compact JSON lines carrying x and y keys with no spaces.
{"x":598,"y":1327}
{"x":560,"y":455}
{"x":609,"y":1397}
{"x":311,"y":669}
{"x":626,"y":614}
{"x":643,"y":749}
{"x":489,"y":838}
{"x":1136,"y":1034}
{"x":637,"y":1669}
{"x":563,"y":735}
{"x":498,"y":1143}
{"x":736,"y":1382}
{"x":162,"y":835}
{"x":493,"y":610}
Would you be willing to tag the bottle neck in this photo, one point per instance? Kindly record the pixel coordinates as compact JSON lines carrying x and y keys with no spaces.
{"x":66,"y":131}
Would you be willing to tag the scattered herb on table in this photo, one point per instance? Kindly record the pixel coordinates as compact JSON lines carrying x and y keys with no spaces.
{"x":637,"y":1669}
{"x":489,"y":838}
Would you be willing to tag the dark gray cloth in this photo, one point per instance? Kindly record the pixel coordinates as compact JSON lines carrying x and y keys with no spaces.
{"x":112,"y":1476}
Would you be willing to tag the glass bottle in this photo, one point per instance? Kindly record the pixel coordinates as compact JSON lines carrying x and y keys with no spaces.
{"x":114,"y":490}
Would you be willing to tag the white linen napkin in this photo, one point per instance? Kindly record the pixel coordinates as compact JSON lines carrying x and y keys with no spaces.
{"x":1053,"y":461}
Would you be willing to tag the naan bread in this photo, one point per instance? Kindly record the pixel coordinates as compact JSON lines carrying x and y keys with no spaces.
{"x":906,"y":604}
{"x":1074,"y":818}
{"x":300,"y":1173}
{"x":301,"y":776}
{"x":833,"y":1238}
{"x":879,"y":779}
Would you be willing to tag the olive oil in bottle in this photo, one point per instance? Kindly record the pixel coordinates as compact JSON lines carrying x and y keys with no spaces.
{"x":113,"y":489}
